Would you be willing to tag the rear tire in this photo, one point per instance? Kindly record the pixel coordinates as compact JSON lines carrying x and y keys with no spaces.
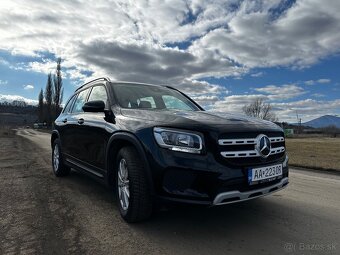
{"x":58,"y":166}
{"x":132,"y":188}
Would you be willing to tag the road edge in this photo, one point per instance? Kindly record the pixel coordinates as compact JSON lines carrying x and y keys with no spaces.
{"x":315,"y":169}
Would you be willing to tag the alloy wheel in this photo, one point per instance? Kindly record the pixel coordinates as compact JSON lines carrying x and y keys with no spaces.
{"x":123,"y":185}
{"x":56,"y":158}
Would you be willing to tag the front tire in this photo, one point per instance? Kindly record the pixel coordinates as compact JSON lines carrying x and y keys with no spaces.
{"x":58,"y":166}
{"x":132,"y":189}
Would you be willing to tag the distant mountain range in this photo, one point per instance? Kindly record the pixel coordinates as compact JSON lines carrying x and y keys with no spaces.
{"x":323,"y":121}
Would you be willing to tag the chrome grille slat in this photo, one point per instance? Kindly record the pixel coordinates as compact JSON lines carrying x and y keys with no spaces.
{"x":244,"y":141}
{"x":277,"y":150}
{"x":249,"y":153}
{"x":276,"y":139}
{"x":248,"y":141}
{"x":236,"y":141}
{"x":240,"y":154}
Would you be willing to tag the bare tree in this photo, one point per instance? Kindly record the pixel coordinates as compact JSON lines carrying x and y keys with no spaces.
{"x":58,"y":88}
{"x":41,"y":106}
{"x":331,"y":130}
{"x":49,"y":98}
{"x":259,"y":109}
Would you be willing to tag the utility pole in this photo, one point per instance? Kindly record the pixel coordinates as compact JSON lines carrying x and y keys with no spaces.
{"x":298,"y":122}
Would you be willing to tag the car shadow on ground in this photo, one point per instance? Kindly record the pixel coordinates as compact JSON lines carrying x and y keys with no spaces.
{"x":173,"y":216}
{"x":261,"y":224}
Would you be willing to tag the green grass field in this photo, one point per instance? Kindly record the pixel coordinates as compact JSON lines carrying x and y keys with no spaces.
{"x":319,"y":153}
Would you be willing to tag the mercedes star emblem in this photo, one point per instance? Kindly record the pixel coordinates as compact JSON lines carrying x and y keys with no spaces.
{"x":263,"y":145}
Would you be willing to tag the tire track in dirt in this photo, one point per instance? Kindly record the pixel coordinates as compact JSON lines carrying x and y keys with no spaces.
{"x":42,"y":214}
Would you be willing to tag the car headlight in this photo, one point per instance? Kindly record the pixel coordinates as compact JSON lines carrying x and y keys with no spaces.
{"x":178,"y":140}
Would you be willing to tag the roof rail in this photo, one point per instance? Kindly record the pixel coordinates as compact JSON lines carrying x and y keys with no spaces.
{"x":97,"y":79}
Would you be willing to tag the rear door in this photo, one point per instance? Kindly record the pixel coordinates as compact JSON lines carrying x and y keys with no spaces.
{"x":63,"y":125}
{"x":75,"y":131}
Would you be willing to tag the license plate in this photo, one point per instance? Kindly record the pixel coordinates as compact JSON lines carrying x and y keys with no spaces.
{"x":264,"y":174}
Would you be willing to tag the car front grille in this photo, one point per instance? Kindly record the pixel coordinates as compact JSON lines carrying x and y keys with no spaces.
{"x":240,"y":149}
{"x":249,"y":153}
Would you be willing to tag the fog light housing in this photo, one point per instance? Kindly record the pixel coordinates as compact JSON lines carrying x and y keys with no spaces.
{"x":285,"y":163}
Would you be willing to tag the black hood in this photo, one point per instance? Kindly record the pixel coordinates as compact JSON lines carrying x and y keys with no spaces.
{"x":203,"y":119}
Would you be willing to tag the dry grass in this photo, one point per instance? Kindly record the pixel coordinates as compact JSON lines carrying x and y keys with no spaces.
{"x":319,"y":153}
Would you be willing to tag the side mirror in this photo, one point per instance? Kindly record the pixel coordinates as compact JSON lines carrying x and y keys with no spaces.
{"x":94,"y":106}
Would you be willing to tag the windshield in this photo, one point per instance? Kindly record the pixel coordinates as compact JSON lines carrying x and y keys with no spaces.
{"x":136,"y":96}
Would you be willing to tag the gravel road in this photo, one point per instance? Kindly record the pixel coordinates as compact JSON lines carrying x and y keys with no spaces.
{"x":42,"y":214}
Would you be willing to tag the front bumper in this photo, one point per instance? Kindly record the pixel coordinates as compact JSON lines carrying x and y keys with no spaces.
{"x":202,"y":179}
{"x":237,"y":196}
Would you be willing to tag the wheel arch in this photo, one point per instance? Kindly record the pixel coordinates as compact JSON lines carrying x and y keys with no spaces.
{"x":55,"y":135}
{"x":117,"y":141}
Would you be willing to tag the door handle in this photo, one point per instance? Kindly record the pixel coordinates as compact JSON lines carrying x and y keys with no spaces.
{"x":81,"y":121}
{"x":64,"y":120}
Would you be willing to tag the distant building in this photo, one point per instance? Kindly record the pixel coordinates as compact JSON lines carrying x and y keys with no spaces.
{"x":289,"y":131}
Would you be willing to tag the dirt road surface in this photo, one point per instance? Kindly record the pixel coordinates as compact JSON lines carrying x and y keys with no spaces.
{"x":42,"y":214}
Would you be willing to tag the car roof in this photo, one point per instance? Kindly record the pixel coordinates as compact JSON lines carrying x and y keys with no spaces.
{"x":136,"y":83}
{"x":90,"y":83}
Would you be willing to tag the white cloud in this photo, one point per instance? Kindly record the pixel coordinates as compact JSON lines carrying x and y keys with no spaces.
{"x":318,"y":95}
{"x":11,"y":98}
{"x":324,"y":81}
{"x":282,"y":92}
{"x":174,"y":42}
{"x":235,"y":103}
{"x":300,"y":37}
{"x":75,"y":74}
{"x":259,"y":74}
{"x":320,"y":81}
{"x":310,"y":82}
{"x":206,"y":101}
{"x":45,"y":66}
{"x":28,"y":87}
{"x":140,"y":39}
{"x":276,"y":95}
{"x":307,"y":109}
{"x":3,"y":82}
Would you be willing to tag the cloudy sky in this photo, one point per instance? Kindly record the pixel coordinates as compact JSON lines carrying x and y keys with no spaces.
{"x":223,"y":53}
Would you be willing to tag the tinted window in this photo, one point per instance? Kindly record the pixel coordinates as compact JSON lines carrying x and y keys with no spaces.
{"x":172,"y":102}
{"x":69,"y":105}
{"x":80,"y":101}
{"x":152,"y":97}
{"x":98,"y":93}
{"x":147,"y":102}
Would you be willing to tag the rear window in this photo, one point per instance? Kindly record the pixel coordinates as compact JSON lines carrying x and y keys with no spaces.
{"x":69,"y":105}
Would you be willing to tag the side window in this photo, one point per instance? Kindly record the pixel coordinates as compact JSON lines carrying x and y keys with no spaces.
{"x":172,"y":102}
{"x":98,"y":93}
{"x":80,"y":101}
{"x":69,"y":105}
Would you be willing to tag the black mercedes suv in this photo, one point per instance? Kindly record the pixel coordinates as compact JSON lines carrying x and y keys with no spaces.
{"x":153,"y":143}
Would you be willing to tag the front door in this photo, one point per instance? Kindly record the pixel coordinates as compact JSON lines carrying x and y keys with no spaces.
{"x":97,"y":137}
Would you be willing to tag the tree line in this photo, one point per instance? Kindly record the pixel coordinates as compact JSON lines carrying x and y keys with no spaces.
{"x":50,"y":100}
{"x":17,"y":106}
